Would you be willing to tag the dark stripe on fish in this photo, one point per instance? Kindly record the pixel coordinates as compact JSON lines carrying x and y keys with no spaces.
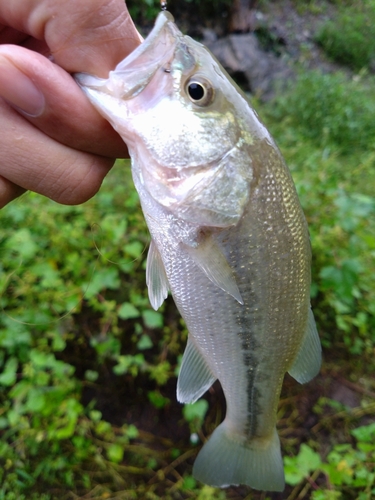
{"x":250,"y":346}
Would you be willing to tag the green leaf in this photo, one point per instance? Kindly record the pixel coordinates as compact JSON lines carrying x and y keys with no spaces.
{"x":339,"y":473}
{"x":308,"y":459}
{"x":128,"y":363}
{"x":35,"y":400}
{"x":365,"y":433}
{"x":144,"y":343}
{"x":115,"y":453}
{"x":195,"y":411}
{"x":23,"y":242}
{"x":58,"y":343}
{"x":131,"y":431}
{"x":9,"y":375}
{"x":128,"y":311}
{"x":3,"y":425}
{"x":134,"y":249}
{"x":189,"y":483}
{"x":91,"y":375}
{"x":301,"y":466}
{"x":95,"y":415}
{"x":103,"y":279}
{"x":160,"y":372}
{"x":152,"y":319}
{"x":157,"y":399}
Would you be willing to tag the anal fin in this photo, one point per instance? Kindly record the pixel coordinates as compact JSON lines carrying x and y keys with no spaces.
{"x":195,"y":376}
{"x":309,"y":358}
{"x":208,"y":256}
{"x":156,"y":279}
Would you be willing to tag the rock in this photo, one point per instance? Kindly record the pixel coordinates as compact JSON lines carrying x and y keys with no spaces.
{"x":209,"y":36}
{"x":242,"y":17}
{"x":257,"y":70}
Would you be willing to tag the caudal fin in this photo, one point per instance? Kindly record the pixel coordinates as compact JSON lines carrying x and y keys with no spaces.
{"x":224,"y":461}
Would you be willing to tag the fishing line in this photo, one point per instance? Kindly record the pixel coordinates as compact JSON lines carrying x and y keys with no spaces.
{"x":68,"y":313}
{"x":52,"y":321}
{"x":112,"y":261}
{"x":93,"y":226}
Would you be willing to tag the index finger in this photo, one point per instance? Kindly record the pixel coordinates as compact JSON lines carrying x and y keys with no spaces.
{"x":89,"y":36}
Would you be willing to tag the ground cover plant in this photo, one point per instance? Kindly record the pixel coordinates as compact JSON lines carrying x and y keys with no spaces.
{"x":88,"y":369}
{"x":349,"y":37}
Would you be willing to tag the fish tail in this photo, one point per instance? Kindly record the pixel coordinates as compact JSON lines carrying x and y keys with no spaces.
{"x":225,"y":460}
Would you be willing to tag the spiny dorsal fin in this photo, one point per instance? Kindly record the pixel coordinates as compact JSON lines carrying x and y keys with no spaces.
{"x":156,"y":279}
{"x":208,"y":256}
{"x":309,"y":358}
{"x":195,"y":376}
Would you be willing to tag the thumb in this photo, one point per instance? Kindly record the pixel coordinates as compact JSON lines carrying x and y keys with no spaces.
{"x":85,"y":36}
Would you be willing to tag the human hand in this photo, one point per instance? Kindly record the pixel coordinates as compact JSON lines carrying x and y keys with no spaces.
{"x":52,"y":141}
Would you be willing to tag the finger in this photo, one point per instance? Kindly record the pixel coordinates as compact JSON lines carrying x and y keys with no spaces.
{"x":32,"y":160}
{"x":10,"y":35}
{"x":54,"y":103}
{"x":8,"y":191}
{"x":87,"y":36}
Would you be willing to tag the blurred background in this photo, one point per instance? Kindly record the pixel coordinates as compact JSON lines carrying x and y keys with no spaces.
{"x":87,"y":368}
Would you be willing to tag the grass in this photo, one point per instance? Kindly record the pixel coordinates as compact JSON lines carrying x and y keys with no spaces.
{"x":88,"y":369}
{"x":349,"y":38}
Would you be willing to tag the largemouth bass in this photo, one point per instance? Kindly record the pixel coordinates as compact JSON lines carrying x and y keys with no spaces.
{"x":228,"y":239}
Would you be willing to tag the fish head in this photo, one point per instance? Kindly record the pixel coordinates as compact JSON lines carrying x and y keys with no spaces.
{"x":183,"y":120}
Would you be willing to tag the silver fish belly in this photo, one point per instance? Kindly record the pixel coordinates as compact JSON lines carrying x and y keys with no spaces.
{"x":229,"y":240}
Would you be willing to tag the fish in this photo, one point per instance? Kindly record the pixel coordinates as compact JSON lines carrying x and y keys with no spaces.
{"x":229,"y":241}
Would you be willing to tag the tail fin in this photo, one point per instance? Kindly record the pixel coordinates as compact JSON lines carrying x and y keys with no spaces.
{"x":224,"y":461}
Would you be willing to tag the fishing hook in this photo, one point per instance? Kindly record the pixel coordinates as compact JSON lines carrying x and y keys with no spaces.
{"x":163,"y":5}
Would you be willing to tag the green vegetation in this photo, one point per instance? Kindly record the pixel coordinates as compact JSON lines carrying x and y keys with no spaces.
{"x":332,"y":110}
{"x":72,"y":284}
{"x":88,"y":369}
{"x":349,"y":39}
{"x":346,"y":467}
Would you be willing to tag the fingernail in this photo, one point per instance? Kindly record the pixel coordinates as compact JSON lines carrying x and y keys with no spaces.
{"x":18,"y":90}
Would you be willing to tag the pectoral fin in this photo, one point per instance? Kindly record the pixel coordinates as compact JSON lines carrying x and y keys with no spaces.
{"x":156,"y":279}
{"x":309,"y":358}
{"x":208,"y":256}
{"x":195,"y":376}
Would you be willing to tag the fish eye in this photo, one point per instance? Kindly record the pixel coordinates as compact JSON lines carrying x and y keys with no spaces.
{"x":200,"y":91}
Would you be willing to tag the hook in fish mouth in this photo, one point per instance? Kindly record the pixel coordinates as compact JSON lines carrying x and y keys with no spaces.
{"x":163,"y":5}
{"x":167,"y":67}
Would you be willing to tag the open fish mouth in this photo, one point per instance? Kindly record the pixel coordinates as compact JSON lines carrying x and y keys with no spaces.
{"x":134,"y":73}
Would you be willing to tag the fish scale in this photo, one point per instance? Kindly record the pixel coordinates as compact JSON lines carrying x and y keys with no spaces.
{"x":228,"y":239}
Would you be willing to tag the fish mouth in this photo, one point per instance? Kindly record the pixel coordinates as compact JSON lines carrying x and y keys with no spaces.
{"x":133,"y":74}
